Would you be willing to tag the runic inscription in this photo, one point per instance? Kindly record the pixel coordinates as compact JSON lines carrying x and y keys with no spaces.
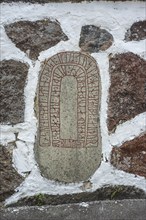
{"x":68,"y":144}
{"x":69,"y":101}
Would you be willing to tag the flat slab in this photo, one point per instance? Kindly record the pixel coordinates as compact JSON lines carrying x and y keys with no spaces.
{"x":68,"y":145}
{"x":99,"y":210}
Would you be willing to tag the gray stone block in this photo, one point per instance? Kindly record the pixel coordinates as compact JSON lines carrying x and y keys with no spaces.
{"x":93,"y":39}
{"x":13,"y":76}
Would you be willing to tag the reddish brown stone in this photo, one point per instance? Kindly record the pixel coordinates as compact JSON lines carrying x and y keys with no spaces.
{"x":34,"y":37}
{"x":127,"y":93}
{"x":136,"y":32}
{"x":131,"y":156}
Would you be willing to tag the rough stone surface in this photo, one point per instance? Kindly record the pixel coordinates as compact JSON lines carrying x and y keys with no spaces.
{"x":127,"y":93}
{"x":34,"y":37}
{"x":9,"y":178}
{"x":13,"y":78}
{"x":94,"y":39}
{"x":68,"y":145}
{"x":137,"y":31}
{"x":131,"y":156}
{"x":126,"y":209}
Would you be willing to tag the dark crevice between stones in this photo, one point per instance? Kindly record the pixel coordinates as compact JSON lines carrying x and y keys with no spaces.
{"x":117,"y":192}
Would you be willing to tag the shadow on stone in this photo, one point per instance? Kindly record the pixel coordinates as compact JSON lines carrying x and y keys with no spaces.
{"x":105,"y":193}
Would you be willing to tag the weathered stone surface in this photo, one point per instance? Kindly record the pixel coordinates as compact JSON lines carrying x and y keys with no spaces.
{"x":34,"y":37}
{"x":9,"y":178}
{"x":93,"y":39}
{"x":131,"y":156}
{"x":127,"y":93}
{"x":13,"y":77}
{"x":125,"y":209}
{"x":137,"y":31}
{"x":68,"y":145}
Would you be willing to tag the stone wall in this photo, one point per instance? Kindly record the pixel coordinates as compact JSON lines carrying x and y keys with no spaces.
{"x":73,"y":97}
